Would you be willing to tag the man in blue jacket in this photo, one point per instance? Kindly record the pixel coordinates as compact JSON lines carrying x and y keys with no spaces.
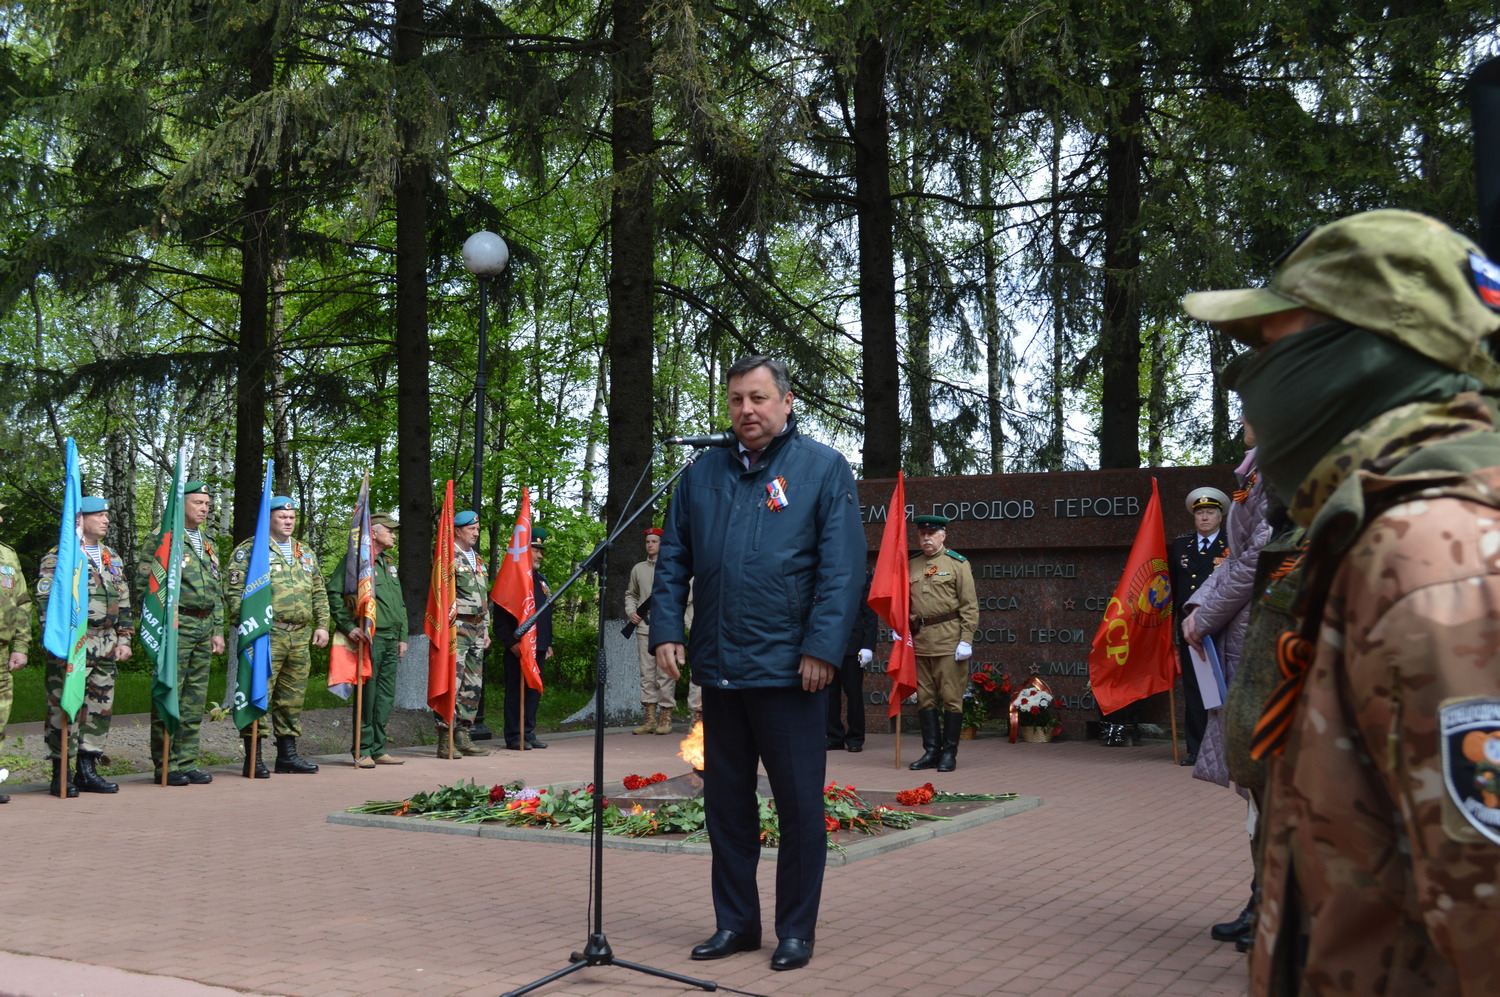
{"x":768,"y":533}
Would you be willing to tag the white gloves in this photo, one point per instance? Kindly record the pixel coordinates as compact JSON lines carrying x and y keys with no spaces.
{"x":963,"y":652}
{"x":866,"y":655}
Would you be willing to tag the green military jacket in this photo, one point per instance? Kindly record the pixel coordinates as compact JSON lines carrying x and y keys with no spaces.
{"x":201,"y":581}
{"x":390,"y":606}
{"x":15,"y":607}
{"x":297,"y":593}
{"x":109,"y":596}
{"x":471,"y":588}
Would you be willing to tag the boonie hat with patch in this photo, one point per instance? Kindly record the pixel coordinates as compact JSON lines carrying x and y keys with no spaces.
{"x":1400,"y":274}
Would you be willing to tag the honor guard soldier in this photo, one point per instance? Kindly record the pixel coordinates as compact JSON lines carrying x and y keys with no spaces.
{"x":200,"y":636}
{"x":15,"y":630}
{"x":301,"y":608}
{"x":106,"y":643}
{"x":471,"y":608}
{"x":1191,"y":560}
{"x":658,"y":690}
{"x":944,"y":614}
{"x":387,"y":643}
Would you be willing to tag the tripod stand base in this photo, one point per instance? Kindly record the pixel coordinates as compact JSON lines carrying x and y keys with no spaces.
{"x":598,"y":953}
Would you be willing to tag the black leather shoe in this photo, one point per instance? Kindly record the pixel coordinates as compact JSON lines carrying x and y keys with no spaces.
{"x":198,"y":777}
{"x":532,"y":744}
{"x":174,"y":779}
{"x":723,"y":943}
{"x":1232,"y":931}
{"x":833,"y":745}
{"x":1245,"y":942}
{"x":1189,"y":760}
{"x":854,"y":747}
{"x":4,"y":798}
{"x":792,"y":953}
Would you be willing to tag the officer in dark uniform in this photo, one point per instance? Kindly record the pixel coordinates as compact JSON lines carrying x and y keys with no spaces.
{"x":505,"y":629}
{"x":1191,"y":559}
{"x":848,"y":686}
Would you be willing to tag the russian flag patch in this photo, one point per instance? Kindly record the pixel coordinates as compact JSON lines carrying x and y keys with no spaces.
{"x":1486,"y":275}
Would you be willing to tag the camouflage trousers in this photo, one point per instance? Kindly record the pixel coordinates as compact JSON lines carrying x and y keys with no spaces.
{"x":90,"y":729}
{"x":7,"y":696}
{"x":469,"y":651}
{"x":291,"y":660}
{"x":193,"y":661}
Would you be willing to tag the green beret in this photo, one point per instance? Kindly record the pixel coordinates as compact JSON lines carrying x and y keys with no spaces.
{"x":932,"y":522}
{"x":196,"y":488}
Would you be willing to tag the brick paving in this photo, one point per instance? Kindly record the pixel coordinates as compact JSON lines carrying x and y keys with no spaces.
{"x":1106,"y":890}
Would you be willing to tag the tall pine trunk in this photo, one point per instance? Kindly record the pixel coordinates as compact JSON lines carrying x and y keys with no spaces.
{"x":877,"y":279}
{"x":1120,"y":335}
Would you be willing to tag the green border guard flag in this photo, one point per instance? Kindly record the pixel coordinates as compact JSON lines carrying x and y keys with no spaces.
{"x":159,"y":608}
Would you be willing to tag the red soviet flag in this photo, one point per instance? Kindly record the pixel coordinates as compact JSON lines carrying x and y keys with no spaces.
{"x":890,"y":597}
{"x":515,"y":591}
{"x":441,"y":666}
{"x":1133,"y":657}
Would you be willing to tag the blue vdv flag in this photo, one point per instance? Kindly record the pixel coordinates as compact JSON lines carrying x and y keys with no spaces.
{"x":252,"y":688}
{"x":68,"y":600}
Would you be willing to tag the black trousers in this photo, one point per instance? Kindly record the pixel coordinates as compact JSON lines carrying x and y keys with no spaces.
{"x":848,"y":686}
{"x":1196,"y":715}
{"x":779,"y":728}
{"x":513,"y":688}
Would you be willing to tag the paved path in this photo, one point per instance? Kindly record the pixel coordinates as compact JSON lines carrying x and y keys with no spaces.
{"x":1106,"y":890}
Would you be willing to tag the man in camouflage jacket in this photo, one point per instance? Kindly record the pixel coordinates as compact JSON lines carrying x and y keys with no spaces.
{"x":111,"y":625}
{"x":15,"y":630}
{"x":1380,"y":857}
{"x":200,"y":636}
{"x":471,"y":608}
{"x":301,"y":608}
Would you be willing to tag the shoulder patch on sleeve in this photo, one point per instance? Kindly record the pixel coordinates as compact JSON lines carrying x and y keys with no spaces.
{"x":1469,"y":735}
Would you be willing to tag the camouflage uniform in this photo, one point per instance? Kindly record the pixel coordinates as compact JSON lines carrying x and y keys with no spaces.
{"x":110,"y":623}
{"x":1380,"y":862}
{"x":200,"y":618}
{"x":301,"y":607}
{"x":15,"y":626}
{"x":471,"y":605}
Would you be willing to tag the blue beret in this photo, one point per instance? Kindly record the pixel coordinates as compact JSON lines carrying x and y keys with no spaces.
{"x":92,"y":503}
{"x":465,"y":518}
{"x":282,"y":502}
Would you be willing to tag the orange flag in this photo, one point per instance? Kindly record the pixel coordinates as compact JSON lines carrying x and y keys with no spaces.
{"x":515,"y":591}
{"x":441,"y":661}
{"x":1133,"y":657}
{"x":890,"y":597}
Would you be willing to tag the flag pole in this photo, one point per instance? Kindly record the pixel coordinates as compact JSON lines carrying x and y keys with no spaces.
{"x":359,"y":697}
{"x":898,"y":733}
{"x":1172,"y":708}
{"x":249,"y":770}
{"x":62,"y":782}
{"x":166,"y":753}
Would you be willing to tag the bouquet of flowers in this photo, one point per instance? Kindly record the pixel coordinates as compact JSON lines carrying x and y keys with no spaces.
{"x":1034,"y":708}
{"x":987,"y":696}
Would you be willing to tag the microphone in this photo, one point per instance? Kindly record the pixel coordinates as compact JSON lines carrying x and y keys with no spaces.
{"x":724,"y":439}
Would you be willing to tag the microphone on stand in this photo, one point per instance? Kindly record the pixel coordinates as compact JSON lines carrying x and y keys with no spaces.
{"x":724,"y":439}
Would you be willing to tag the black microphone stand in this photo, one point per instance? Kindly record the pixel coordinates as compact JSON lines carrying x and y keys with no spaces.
{"x":597,"y":951}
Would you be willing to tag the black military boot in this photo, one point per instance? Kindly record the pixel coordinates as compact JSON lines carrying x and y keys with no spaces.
{"x":287,"y":759}
{"x":952,"y":724}
{"x":932,"y":745}
{"x":88,"y":779}
{"x":253,"y":759}
{"x":59,"y":770}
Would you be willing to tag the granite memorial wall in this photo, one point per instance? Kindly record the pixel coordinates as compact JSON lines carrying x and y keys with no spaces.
{"x":1047,"y":551}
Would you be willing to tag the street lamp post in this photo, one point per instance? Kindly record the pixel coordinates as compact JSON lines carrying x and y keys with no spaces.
{"x":485,"y":255}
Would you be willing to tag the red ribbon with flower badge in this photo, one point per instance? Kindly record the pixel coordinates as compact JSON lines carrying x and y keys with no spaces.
{"x":1035,"y":682}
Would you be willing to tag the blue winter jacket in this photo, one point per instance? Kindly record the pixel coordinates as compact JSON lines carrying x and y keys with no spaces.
{"x":769,"y":585}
